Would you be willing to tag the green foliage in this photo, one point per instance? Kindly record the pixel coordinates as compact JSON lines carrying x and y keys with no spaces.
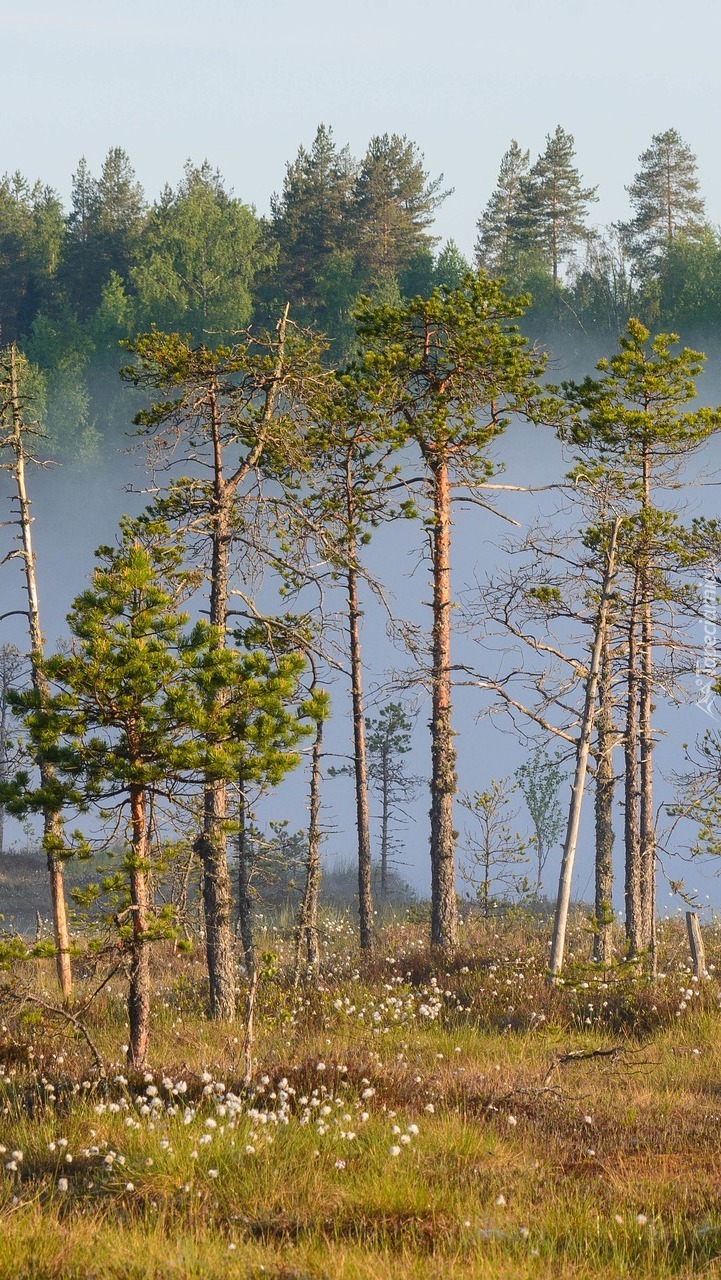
{"x":665,"y":199}
{"x":136,"y":708}
{"x":634,"y":414}
{"x":539,"y":780}
{"x":552,"y":205}
{"x":200,"y":252}
{"x":311,"y":223}
{"x":32,"y":231}
{"x":394,"y":203}
{"x":448,"y":371}
{"x":103,"y":230}
{"x":494,"y":852}
{"x":496,"y":244}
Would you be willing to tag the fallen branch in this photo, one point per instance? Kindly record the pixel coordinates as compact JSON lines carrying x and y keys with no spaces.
{"x":580,"y":1055}
{"x":59,"y":1012}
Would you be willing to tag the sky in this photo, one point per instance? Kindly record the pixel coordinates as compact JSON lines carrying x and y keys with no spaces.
{"x":245,"y":84}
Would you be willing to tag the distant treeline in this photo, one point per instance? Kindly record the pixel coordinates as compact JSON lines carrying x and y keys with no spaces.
{"x":74,"y":284}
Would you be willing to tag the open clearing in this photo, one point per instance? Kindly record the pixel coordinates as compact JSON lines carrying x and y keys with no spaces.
{"x":404,"y":1120}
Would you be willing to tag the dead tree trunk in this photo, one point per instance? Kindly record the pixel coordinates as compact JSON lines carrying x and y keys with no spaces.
{"x":306,"y":936}
{"x":360,"y":762}
{"x":647,"y":832}
{"x":582,"y":752}
{"x":695,"y":942}
{"x":634,"y":914}
{"x":52,"y":821}
{"x":605,"y":789}
{"x":9,"y":660}
{"x":311,"y":923}
{"x":444,"y":914}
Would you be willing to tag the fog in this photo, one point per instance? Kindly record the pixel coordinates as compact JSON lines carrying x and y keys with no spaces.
{"x":76,"y":508}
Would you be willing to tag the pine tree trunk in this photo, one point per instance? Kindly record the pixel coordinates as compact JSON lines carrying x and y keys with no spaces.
{"x":52,"y":821}
{"x":4,"y":688}
{"x":139,"y":993}
{"x":307,"y":927}
{"x":605,"y":788}
{"x":385,"y":822}
{"x":52,"y":838}
{"x":311,"y":925}
{"x":245,"y":906}
{"x":217,"y":903}
{"x":360,"y":763}
{"x":211,"y":845}
{"x":634,"y":925}
{"x":646,"y":824}
{"x":444,"y":915}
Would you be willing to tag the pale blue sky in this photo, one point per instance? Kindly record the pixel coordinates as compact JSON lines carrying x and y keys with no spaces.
{"x":243,"y":84}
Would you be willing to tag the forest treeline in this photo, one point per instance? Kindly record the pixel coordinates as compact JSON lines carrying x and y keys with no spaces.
{"x":75,"y":283}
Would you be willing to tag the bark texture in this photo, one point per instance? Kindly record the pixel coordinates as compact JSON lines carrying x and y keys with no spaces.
{"x":634,"y":926}
{"x":139,"y":993}
{"x":245,"y":905}
{"x":360,"y":769}
{"x":444,"y":915}
{"x":605,"y":791}
{"x":52,"y":822}
{"x":306,"y":937}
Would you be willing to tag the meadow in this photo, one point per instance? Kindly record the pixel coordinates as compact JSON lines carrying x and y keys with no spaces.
{"x":404,"y":1119}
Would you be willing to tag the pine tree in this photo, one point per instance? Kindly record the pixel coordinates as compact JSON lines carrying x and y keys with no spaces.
{"x":118,"y":217}
{"x":634,"y":424}
{"x":32,"y":231}
{"x":123,"y":720}
{"x":443,"y":375}
{"x":269,"y":722}
{"x":665,"y":200}
{"x":200,"y":252}
{"x":310,"y":221}
{"x":449,"y":268}
{"x":389,"y":740}
{"x":233,"y":408}
{"x":347,"y":471}
{"x":552,"y":210}
{"x":394,"y":205}
{"x":497,"y":225}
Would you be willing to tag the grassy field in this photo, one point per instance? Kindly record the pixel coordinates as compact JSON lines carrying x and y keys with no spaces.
{"x":404,"y":1120}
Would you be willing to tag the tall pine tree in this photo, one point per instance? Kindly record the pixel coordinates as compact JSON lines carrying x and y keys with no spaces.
{"x":552,"y":209}
{"x":665,"y":200}
{"x":497,"y":224}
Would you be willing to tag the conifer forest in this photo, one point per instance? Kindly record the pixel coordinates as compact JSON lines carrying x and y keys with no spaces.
{"x":359,"y":747}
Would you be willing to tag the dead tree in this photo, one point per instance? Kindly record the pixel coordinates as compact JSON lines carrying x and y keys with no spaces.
{"x":52,"y":819}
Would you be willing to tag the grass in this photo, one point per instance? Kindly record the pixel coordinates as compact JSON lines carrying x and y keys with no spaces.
{"x":405,"y":1121}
